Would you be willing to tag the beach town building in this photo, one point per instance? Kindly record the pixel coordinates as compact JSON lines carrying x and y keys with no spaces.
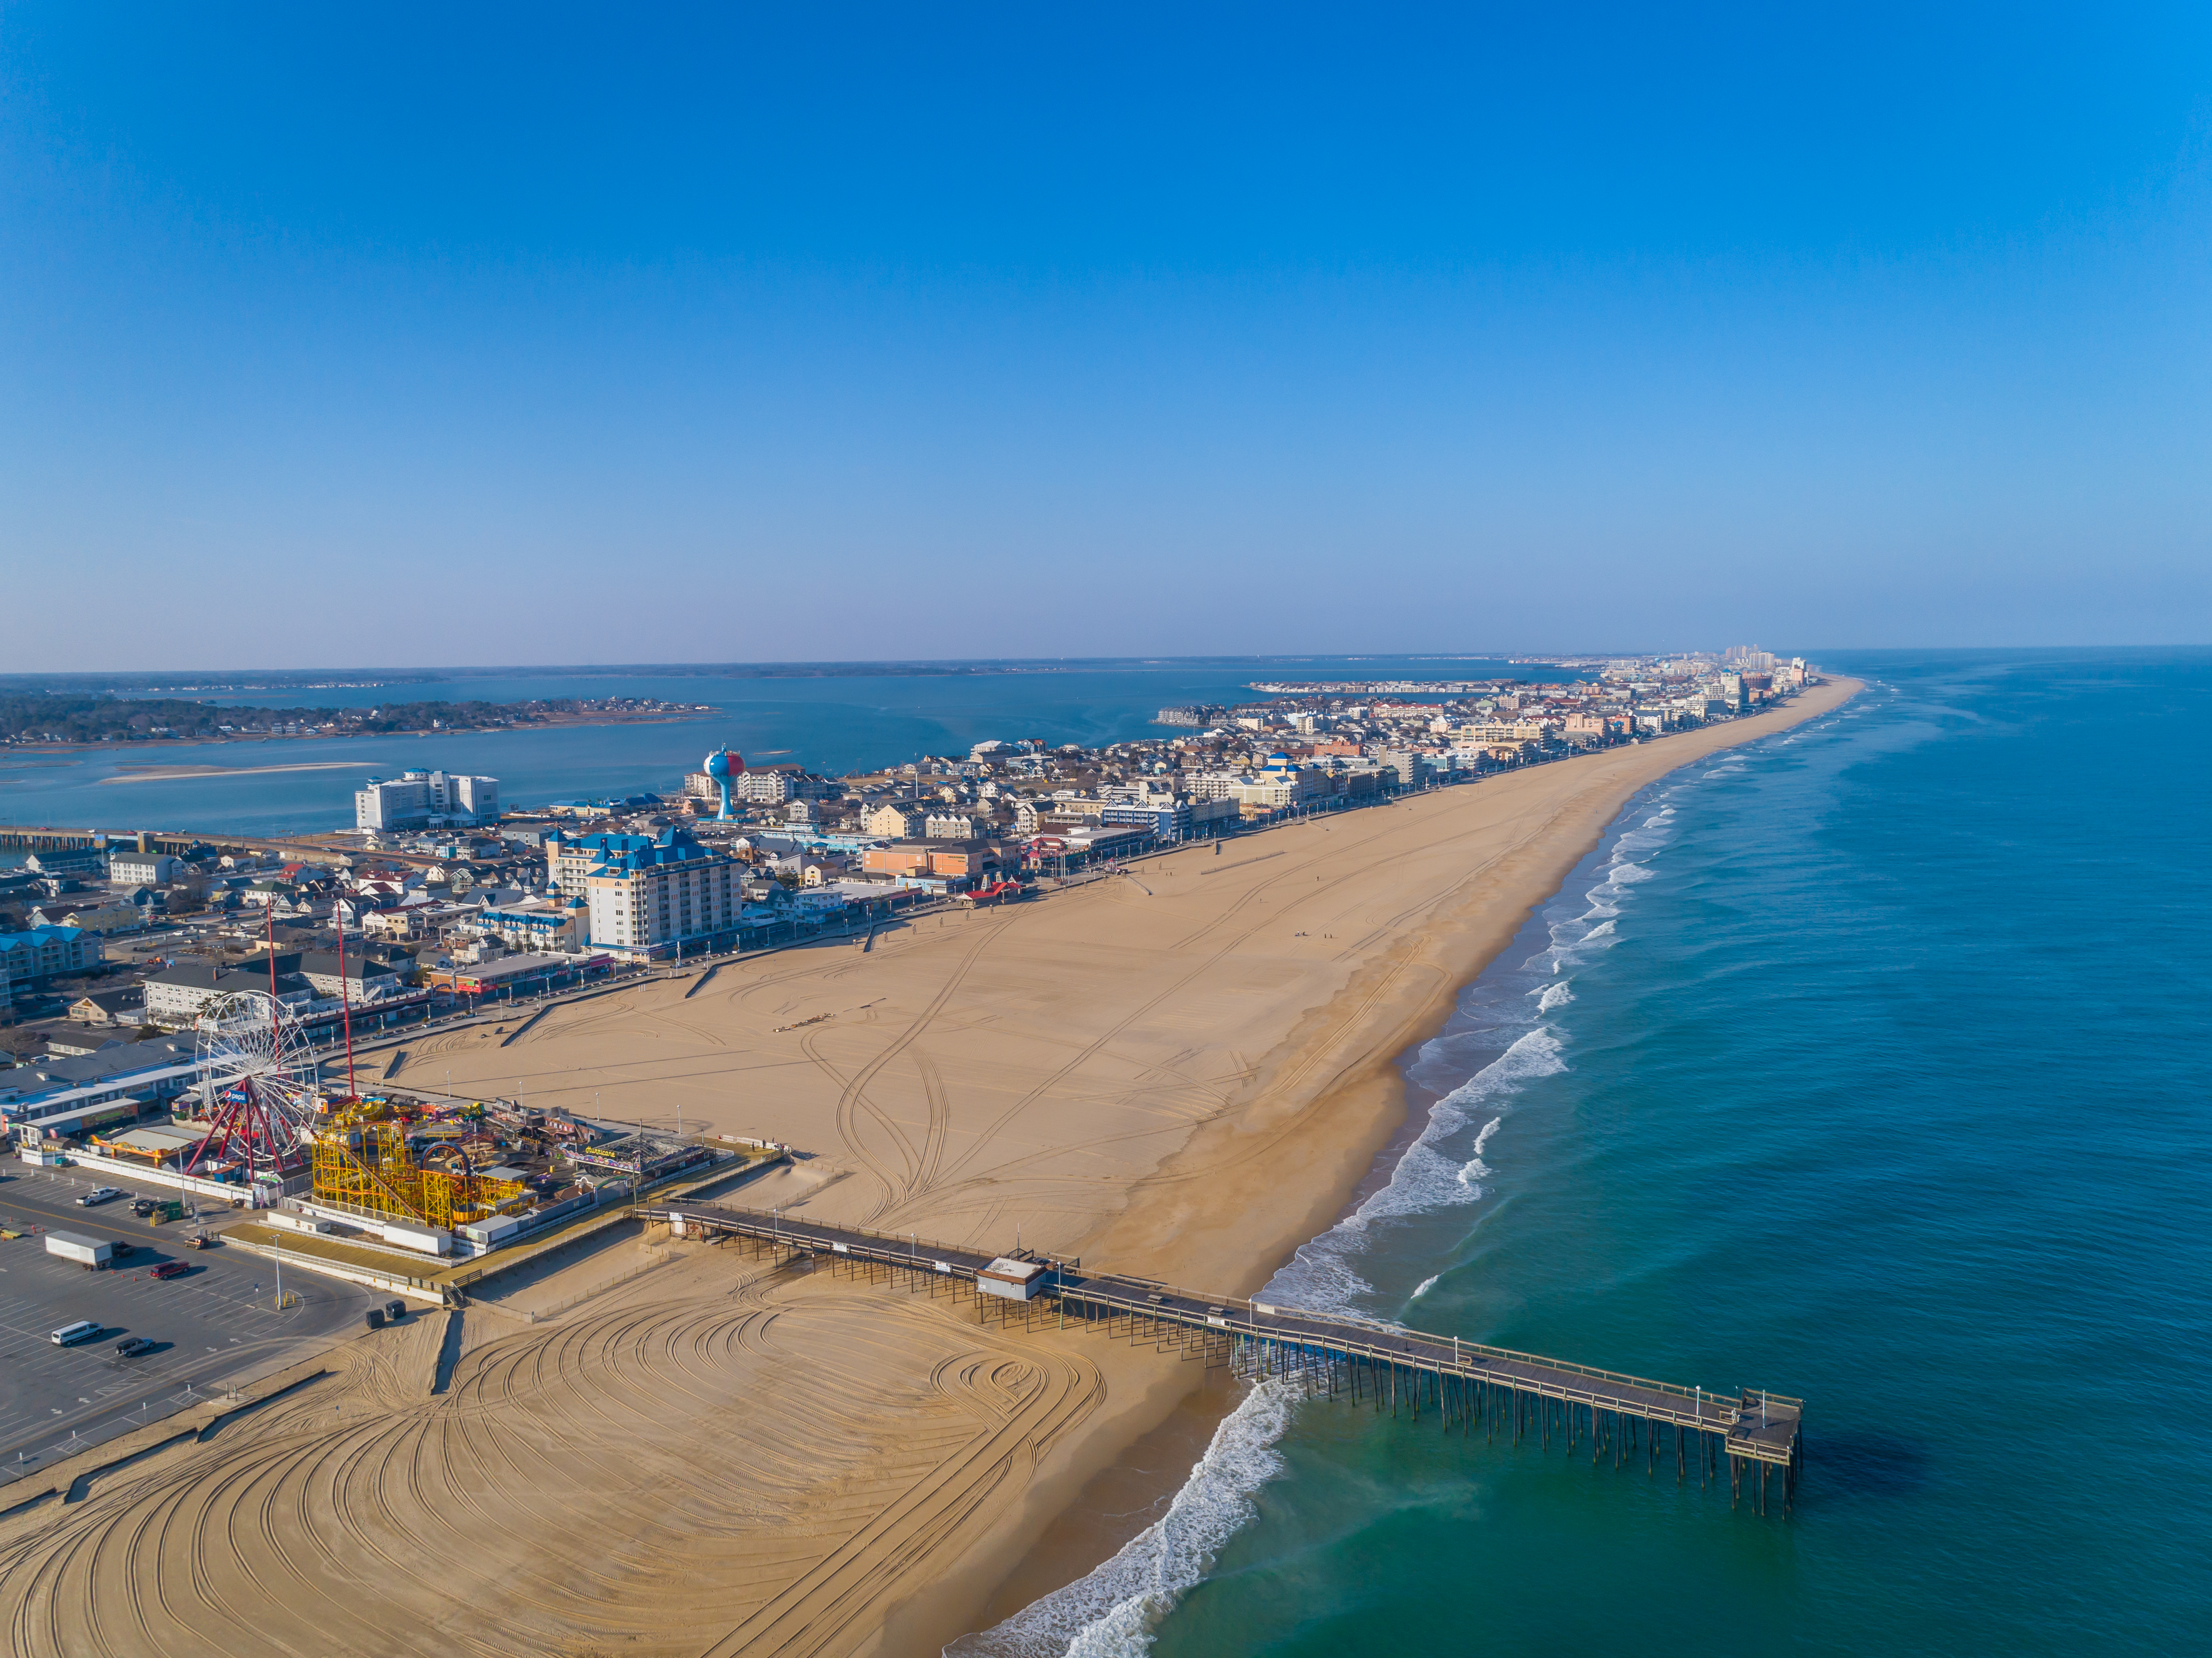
{"x":68,"y":861}
{"x":418,"y":799}
{"x":127,"y":868}
{"x":647,"y":896}
{"x":1212,"y":784}
{"x":897,"y":820}
{"x":39,"y":953}
{"x":358,"y":978}
{"x":1076,"y":848}
{"x":112,"y":915}
{"x":110,"y":1007}
{"x":115,"y":1083}
{"x":539,"y":924}
{"x":516,"y":976}
{"x":772,"y":786}
{"x":178,"y":995}
{"x":1508,"y":731}
{"x":957,"y":862}
{"x":1165,"y":819}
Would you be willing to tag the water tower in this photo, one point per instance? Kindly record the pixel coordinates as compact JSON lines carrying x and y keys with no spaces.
{"x":724,"y":765}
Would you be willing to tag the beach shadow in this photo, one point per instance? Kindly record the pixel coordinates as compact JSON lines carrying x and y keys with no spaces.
{"x":1865,"y":1464}
{"x":449,"y":1353}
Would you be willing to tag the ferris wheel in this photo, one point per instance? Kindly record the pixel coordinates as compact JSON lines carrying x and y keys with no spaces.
{"x":256,"y":1083}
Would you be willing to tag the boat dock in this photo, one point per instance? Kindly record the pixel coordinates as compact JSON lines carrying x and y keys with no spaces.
{"x":1465,"y":1386}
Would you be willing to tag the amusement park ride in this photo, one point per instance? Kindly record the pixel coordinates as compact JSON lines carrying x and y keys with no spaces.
{"x":258,"y":1093}
{"x":268,"y":1118}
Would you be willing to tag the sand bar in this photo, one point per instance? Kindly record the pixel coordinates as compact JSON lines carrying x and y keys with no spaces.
{"x":156,"y":774}
{"x":1182,"y":1073}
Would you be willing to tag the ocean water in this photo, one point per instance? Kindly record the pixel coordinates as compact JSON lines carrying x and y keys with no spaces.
{"x":1867,"y":1064}
{"x":829,"y":724}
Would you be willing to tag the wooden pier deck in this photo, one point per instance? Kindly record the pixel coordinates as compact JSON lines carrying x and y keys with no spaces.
{"x":1467,"y":1385}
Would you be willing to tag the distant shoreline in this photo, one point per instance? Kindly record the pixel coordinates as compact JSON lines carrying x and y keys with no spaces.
{"x":550,"y":722}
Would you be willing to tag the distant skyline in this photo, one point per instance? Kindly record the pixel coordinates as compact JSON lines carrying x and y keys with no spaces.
{"x":702,"y":335}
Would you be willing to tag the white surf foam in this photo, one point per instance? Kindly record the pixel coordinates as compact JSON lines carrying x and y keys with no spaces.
{"x":1320,"y":1275}
{"x":1112,"y":1613}
{"x":1596,"y":927}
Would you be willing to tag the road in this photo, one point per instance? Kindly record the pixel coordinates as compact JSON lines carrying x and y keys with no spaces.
{"x":217,"y":1321}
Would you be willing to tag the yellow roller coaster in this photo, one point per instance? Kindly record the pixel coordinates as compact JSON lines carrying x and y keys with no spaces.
{"x":366,"y":1163}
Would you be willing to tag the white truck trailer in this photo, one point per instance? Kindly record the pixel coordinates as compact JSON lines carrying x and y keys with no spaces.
{"x":91,"y":1253}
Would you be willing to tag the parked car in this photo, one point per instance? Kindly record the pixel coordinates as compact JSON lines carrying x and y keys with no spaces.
{"x":69,"y":1335}
{"x":124,"y":1246}
{"x":98,"y":1194}
{"x":132,"y":1347}
{"x":170,"y":1269}
{"x":143,"y":1207}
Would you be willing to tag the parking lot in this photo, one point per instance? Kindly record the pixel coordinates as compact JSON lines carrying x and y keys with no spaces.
{"x":219,"y":1319}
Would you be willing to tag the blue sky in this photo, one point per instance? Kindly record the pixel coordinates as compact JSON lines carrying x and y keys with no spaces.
{"x":472,"y":334}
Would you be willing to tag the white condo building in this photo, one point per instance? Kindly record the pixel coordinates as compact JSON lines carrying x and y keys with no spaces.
{"x":419,"y":799}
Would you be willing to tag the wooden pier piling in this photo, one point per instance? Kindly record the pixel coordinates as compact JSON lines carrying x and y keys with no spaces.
{"x":1324,"y":1356}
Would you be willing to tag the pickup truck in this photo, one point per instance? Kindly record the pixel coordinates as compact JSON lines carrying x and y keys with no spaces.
{"x":98,"y":1194}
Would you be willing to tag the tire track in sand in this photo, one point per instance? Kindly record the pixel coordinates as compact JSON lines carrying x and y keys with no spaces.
{"x":850,"y":1100}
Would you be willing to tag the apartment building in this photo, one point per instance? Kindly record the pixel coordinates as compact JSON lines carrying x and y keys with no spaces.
{"x":898,"y":820}
{"x":650,"y":896}
{"x":416,"y":799}
{"x":772,"y":786}
{"x":43,"y":952}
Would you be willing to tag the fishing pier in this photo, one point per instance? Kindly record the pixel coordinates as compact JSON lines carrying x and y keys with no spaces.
{"x":1465,"y":1387}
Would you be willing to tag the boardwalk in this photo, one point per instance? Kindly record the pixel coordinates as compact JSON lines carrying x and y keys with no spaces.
{"x":1466,"y":1386}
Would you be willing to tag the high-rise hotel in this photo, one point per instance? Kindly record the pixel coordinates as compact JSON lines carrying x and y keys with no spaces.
{"x":649,"y":895}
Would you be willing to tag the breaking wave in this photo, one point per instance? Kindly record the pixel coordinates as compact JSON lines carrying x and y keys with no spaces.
{"x":1112,"y":1613}
{"x":1320,"y":1275}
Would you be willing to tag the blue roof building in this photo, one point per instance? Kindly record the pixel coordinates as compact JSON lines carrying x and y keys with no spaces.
{"x":44,"y":952}
{"x":650,"y":896}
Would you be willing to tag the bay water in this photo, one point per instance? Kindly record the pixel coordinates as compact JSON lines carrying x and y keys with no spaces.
{"x":1866,"y":1064}
{"x":832,"y":724}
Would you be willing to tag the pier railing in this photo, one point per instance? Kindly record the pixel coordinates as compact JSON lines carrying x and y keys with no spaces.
{"x":1467,"y":1381}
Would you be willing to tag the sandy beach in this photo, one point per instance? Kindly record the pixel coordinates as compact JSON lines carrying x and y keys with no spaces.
{"x":1180,"y":1072}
